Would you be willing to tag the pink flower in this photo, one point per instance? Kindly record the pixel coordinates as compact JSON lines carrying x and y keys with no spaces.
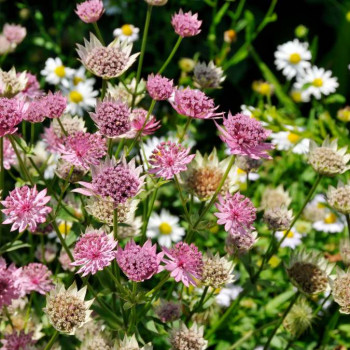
{"x":138,"y":118}
{"x":25,"y":207}
{"x":36,"y":277}
{"x":32,"y":89}
{"x":159,"y":88}
{"x":184,"y":262}
{"x":55,"y":104}
{"x":139,"y":263}
{"x":65,"y":261}
{"x":112,"y":117}
{"x":186,"y":24}
{"x":236,"y":212}
{"x":9,"y":284}
{"x":9,"y":154}
{"x":83,"y":149}
{"x":94,"y":251}
{"x":36,"y":111}
{"x":169,"y":159}
{"x":14,"y":33}
{"x":90,"y":11}
{"x":11,"y":114}
{"x":17,"y":341}
{"x":119,"y":181}
{"x":195,"y":104}
{"x":245,"y":136}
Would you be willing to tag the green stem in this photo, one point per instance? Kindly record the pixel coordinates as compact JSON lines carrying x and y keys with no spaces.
{"x":172,"y":53}
{"x":62,"y":127}
{"x":29,"y":306}
{"x":198,"y":306}
{"x":183,"y":201}
{"x":115,"y":224}
{"x":32,"y":133}
{"x":8,"y":316}
{"x":110,"y":147}
{"x":98,"y":33}
{"x":115,"y":279}
{"x":52,"y":341}
{"x":292,"y":302}
{"x":104,"y":88}
{"x":120,"y":147}
{"x":64,"y":189}
{"x":149,"y":212}
{"x":187,"y":125}
{"x":348,"y":222}
{"x":60,"y":237}
{"x":158,"y":286}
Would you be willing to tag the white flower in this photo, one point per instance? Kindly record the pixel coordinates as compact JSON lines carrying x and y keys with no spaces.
{"x":227,"y":294}
{"x":286,"y":140}
{"x":292,"y":58}
{"x":127,"y":32}
{"x":292,"y":240}
{"x":247,"y":110}
{"x":54,"y":71}
{"x":42,"y":156}
{"x":317,"y":82}
{"x":165,"y":227}
{"x":300,"y":95}
{"x":330,"y":224}
{"x":242,"y":176}
{"x":78,"y":76}
{"x":80,"y":98}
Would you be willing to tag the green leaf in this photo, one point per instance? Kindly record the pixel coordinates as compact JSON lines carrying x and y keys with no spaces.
{"x":335,"y":98}
{"x":272,"y":307}
{"x":8,"y":247}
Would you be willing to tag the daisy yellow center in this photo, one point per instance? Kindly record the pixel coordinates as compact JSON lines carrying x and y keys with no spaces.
{"x":126,"y":29}
{"x":265,"y":89}
{"x":294,"y":58}
{"x":75,"y":96}
{"x":64,"y":228}
{"x":321,"y":205}
{"x":165,"y":228}
{"x":290,"y":234}
{"x":240,"y":171}
{"x":293,"y":138}
{"x":318,"y":82}
{"x":330,"y":219}
{"x":77,"y":80}
{"x":296,"y":96}
{"x":60,"y":71}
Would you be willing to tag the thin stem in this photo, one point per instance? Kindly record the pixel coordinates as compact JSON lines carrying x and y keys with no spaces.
{"x":120,"y":147}
{"x":104,"y":88}
{"x":62,"y":127}
{"x":199,"y":305}
{"x":187,"y":125}
{"x":98,"y":33}
{"x":172,"y":53}
{"x":110,"y":147}
{"x":348,"y":222}
{"x":292,"y":302}
{"x":60,"y":237}
{"x":158,"y":286}
{"x":8,"y":316}
{"x":115,"y":224}
{"x":32,"y":133}
{"x":149,"y":212}
{"x":52,"y":341}
{"x":115,"y":279}
{"x":64,"y":189}
{"x":182,"y":198}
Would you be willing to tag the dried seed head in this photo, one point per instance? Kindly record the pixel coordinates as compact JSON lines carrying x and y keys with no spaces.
{"x":278,"y":219}
{"x":275,"y":198}
{"x":339,"y":198}
{"x":168,"y":311}
{"x":188,"y":339}
{"x":240,"y":244}
{"x":208,"y":75}
{"x":341,"y":291}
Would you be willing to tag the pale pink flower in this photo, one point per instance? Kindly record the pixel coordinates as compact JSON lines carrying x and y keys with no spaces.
{"x":112,"y":117}
{"x":117,"y":180}
{"x":10,"y":157}
{"x":195,"y":104}
{"x":169,"y":159}
{"x":83,"y":149}
{"x":138,"y":117}
{"x":185,"y":262}
{"x":36,"y":111}
{"x":139,"y":263}
{"x":90,"y":11}
{"x":94,"y":251}
{"x":159,"y":88}
{"x":32,"y":89}
{"x":14,"y":33}
{"x":9,"y":286}
{"x":186,"y":24}
{"x":36,"y":277}
{"x":11,"y":114}
{"x":245,"y":136}
{"x":236,"y":212}
{"x":17,"y":341}
{"x":25,"y":207}
{"x":52,"y":140}
{"x":55,"y":104}
{"x":65,"y":261}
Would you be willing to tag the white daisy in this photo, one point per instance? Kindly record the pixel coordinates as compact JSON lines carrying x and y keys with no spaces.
{"x":165,"y":227}
{"x":80,"y":98}
{"x":247,"y":110}
{"x":317,"y":82}
{"x":330,"y":224}
{"x":292,"y":240}
{"x":299,"y":96}
{"x":227,"y":294}
{"x":242,"y":176}
{"x":78,"y":76}
{"x":292,"y":58}
{"x":54,"y":71}
{"x":127,"y":32}
{"x":286,"y":140}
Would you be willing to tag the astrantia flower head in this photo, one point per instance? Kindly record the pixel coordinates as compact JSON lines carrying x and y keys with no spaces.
{"x":339,"y":198}
{"x":194,"y":104}
{"x":186,"y":24}
{"x":106,"y":62}
{"x":9,"y":154}
{"x":185,"y":263}
{"x":248,"y":164}
{"x":32,"y":88}
{"x":10,"y":115}
{"x":36,"y":277}
{"x":159,"y":88}
{"x":94,"y":251}
{"x":204,"y":175}
{"x":208,"y":76}
{"x":236,"y":212}
{"x":293,"y":58}
{"x":112,"y":117}
{"x":139,"y":263}
{"x":12,"y":83}
{"x":18,"y":340}
{"x":25,"y":207}
{"x":245,"y":136}
{"x":328,"y":159}
{"x":169,"y":159}
{"x":275,"y":198}
{"x":118,"y":180}
{"x":138,"y":118}
{"x":55,"y":104}
{"x":90,"y":11}
{"x":238,"y":244}
{"x":130,"y":343}
{"x":10,"y":289}
{"x":64,"y":171}
{"x":14,"y":33}
{"x":84,"y":149}
{"x":340,"y":290}
{"x":278,"y":218}
{"x":309,"y":271}
{"x":185,"y":338}
{"x":66,"y":309}
{"x":168,"y":311}
{"x":36,"y":111}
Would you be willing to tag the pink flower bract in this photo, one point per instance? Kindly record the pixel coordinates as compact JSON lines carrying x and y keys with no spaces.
{"x":185,"y":262}
{"x":138,"y":118}
{"x":90,"y":11}
{"x":159,"y":88}
{"x":25,"y":207}
{"x":10,"y":157}
{"x":236,"y":212}
{"x":36,"y":277}
{"x":9,"y":286}
{"x":245,"y":136}
{"x":14,"y":33}
{"x":18,"y":341}
{"x":55,"y":104}
{"x":94,"y":251}
{"x":169,"y":159}
{"x":11,"y":114}
{"x":139,"y":263}
{"x":186,"y":24}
